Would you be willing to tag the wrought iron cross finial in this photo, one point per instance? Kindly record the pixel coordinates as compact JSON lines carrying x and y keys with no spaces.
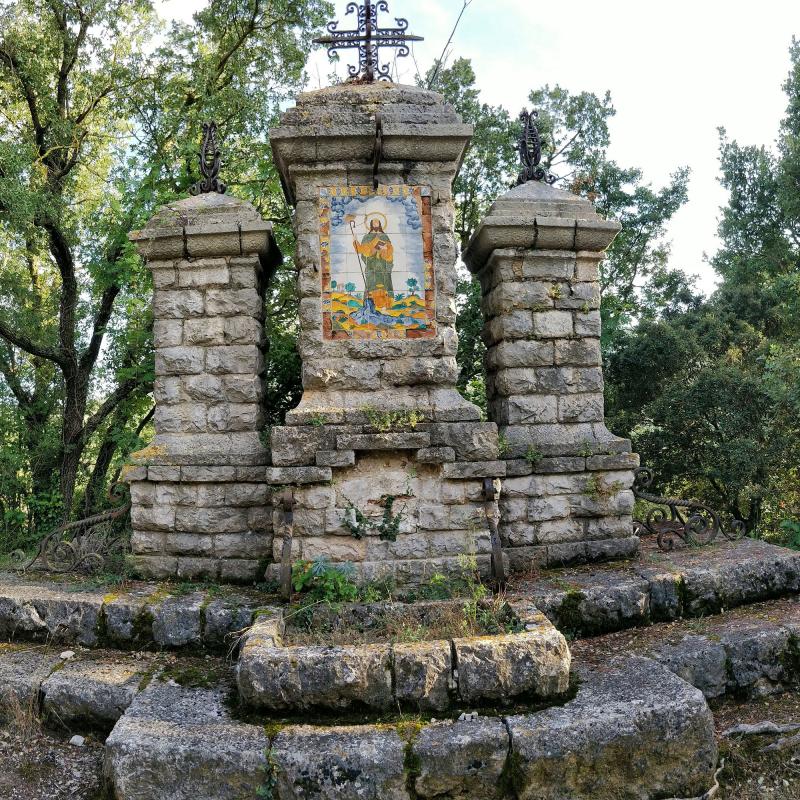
{"x":369,"y":38}
{"x":530,"y":151}
{"x":209,"y":163}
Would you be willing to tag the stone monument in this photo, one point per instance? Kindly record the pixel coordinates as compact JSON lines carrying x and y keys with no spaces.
{"x":568,"y":495}
{"x":369,"y":169}
{"x":201,"y":505}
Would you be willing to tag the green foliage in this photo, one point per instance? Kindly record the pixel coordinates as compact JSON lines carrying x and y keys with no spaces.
{"x":385,"y":421}
{"x":359,"y":524}
{"x":324,"y":582}
{"x":717,"y":414}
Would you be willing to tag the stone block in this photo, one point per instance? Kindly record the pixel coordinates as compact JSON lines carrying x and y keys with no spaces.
{"x":341,"y":374}
{"x":281,"y":678}
{"x":345,"y":763}
{"x":182,"y":304}
{"x":234,"y":303}
{"x":297,"y":445}
{"x":168,"y":333}
{"x":699,"y":661}
{"x":177,"y":620}
{"x":231,"y":417}
{"x":581,"y":408}
{"x":634,"y":730}
{"x":520,"y":353}
{"x":423,"y":675}
{"x":204,"y":331}
{"x":383,"y":441}
{"x":553,"y":324}
{"x":202,"y":388}
{"x":179,"y":360}
{"x":248,"y":494}
{"x":468,"y":470}
{"x":436,"y":455}
{"x":209,"y":273}
{"x":297,"y":475}
{"x":234,"y":359}
{"x":335,"y":458}
{"x":242,"y":388}
{"x":210,"y":520}
{"x":462,"y":760}
{"x":147,"y":542}
{"x":91,"y":692}
{"x":182,"y":744}
{"x":471,"y":441}
{"x":583,"y":352}
{"x":535,"y":662}
{"x":188,"y":544}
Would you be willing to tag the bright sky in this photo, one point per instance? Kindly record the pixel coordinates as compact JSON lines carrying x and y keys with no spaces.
{"x":676,"y":70}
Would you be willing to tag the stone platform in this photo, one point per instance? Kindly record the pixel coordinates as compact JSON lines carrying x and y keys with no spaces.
{"x":658,"y":638}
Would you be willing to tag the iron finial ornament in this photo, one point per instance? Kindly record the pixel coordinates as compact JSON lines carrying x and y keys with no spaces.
{"x":368,"y":38}
{"x":529,"y":148}
{"x":209,"y":163}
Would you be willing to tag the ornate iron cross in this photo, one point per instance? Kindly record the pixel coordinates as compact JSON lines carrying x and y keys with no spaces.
{"x":369,"y":38}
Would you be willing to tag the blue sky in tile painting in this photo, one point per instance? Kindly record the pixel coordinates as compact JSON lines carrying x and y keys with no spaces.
{"x":404,"y":228}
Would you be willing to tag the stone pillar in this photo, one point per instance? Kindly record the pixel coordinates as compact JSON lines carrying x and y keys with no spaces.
{"x":568,"y":494}
{"x":380,"y":415}
{"x":201,"y":503}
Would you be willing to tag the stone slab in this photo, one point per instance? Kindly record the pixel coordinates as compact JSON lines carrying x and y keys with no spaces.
{"x":143,"y":615}
{"x":634,"y":731}
{"x":93,"y":691}
{"x":23,"y":668}
{"x":182,"y":743}
{"x":750,"y":651}
{"x":347,"y":763}
{"x":658,"y":586}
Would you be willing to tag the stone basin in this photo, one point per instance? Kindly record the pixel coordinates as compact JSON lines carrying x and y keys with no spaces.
{"x":532,"y":661}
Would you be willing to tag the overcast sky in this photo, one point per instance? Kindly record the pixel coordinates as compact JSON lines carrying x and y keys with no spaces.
{"x":676,"y":70}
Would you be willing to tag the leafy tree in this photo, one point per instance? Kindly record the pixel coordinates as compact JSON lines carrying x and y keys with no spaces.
{"x":99,"y":127}
{"x":717,"y":413}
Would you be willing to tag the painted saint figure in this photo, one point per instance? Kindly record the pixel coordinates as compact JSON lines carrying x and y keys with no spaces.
{"x":377,"y":250}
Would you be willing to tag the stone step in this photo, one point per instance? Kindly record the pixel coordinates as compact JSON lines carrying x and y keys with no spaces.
{"x":633,"y":731}
{"x":89,"y":690}
{"x":142,"y":615}
{"x":660,"y":586}
{"x":747,"y":652}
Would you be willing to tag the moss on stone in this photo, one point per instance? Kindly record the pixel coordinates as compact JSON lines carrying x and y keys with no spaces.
{"x":570,"y":617}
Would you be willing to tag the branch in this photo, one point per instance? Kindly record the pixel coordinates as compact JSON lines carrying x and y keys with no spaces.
{"x":39,"y":130}
{"x":101,"y":319}
{"x":31,"y":347}
{"x":124,"y":390}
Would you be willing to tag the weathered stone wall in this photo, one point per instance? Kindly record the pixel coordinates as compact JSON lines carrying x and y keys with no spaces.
{"x":382,"y":412}
{"x":567,"y":495}
{"x":201,"y":507}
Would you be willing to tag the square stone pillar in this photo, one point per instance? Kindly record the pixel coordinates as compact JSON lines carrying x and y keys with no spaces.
{"x":201,"y":506}
{"x":567,"y":497}
{"x":369,"y":169}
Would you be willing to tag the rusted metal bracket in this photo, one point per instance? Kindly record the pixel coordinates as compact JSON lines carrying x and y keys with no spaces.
{"x":287,"y":504}
{"x":377,"y":153}
{"x":491,"y":494}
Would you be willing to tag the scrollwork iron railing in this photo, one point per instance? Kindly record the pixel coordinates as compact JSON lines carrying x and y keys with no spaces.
{"x":673,"y":518}
{"x":86,"y":545}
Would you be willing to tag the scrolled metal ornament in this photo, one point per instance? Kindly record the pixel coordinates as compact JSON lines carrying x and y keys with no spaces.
{"x":673,"y":518}
{"x":529,"y":147}
{"x":210,"y":161}
{"x":87,"y":545}
{"x":367,"y":37}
